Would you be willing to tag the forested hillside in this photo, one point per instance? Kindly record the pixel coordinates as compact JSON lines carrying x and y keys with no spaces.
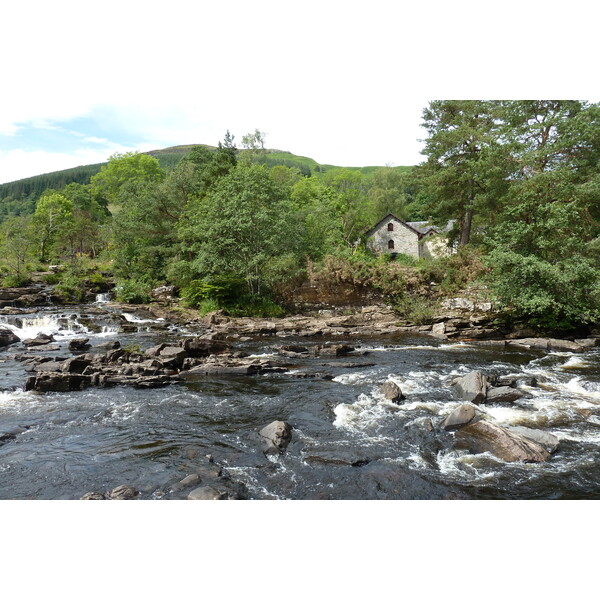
{"x":237,"y":229}
{"x":20,"y":197}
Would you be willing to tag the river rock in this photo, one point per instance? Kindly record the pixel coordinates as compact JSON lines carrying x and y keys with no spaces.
{"x":93,"y":496}
{"x":275,"y":437}
{"x":57,"y":382}
{"x":503,"y":394}
{"x":77,"y":364}
{"x":164,"y":293}
{"x":41,"y":339}
{"x":114,"y":345}
{"x":201,"y":347}
{"x":186,"y":482}
{"x":79,"y":343}
{"x":172,"y":356}
{"x":472,"y":387}
{"x":459,"y":417}
{"x":516,"y":380}
{"x":484,"y":436}
{"x":333,"y":349}
{"x":292,"y":350}
{"x":8,"y":337}
{"x":123,"y":492}
{"x":391,"y":392}
{"x":547,"y":440}
{"x":207,"y":492}
{"x":339,"y":456}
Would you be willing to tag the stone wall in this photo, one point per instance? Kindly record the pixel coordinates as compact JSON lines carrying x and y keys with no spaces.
{"x":406,"y":240}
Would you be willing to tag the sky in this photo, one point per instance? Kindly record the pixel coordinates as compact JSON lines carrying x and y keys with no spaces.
{"x":342,"y":82}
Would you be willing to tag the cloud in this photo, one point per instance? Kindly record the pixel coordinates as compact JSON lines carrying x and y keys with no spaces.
{"x":337,"y":81}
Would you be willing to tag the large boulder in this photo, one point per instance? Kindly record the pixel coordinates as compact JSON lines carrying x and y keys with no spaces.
{"x":484,"y":436}
{"x":275,"y":437}
{"x":459,"y":417}
{"x":472,"y":387}
{"x":7,"y":337}
{"x":391,"y":392}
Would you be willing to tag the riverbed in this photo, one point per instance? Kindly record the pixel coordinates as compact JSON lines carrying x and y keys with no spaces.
{"x":348,"y":442}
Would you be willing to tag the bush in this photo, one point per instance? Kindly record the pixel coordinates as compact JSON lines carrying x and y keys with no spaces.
{"x":418,"y":310}
{"x":16,"y":280}
{"x":222,"y":290}
{"x":559,"y":295}
{"x":71,"y":287}
{"x":133,"y":291}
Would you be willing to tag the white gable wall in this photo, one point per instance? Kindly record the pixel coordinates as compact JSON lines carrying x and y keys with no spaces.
{"x":434,"y":246}
{"x":406,"y":240}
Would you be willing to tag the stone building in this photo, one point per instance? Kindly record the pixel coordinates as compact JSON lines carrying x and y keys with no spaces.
{"x":415,"y":238}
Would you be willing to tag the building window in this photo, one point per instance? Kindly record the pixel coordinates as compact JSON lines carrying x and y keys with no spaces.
{"x":390,"y":227}
{"x":391,"y":245}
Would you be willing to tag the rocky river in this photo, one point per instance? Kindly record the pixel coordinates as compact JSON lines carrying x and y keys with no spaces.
{"x":106,"y":401}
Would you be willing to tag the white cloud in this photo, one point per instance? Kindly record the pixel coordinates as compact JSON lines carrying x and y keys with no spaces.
{"x":342,"y":82}
{"x":19,"y":164}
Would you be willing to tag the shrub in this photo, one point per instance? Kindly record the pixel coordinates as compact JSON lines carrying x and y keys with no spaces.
{"x":133,"y":291}
{"x":16,"y":280}
{"x":418,"y":310}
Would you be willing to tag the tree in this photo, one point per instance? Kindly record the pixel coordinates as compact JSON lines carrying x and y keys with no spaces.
{"x":17,"y":245}
{"x":125,"y":168}
{"x":387,"y":194}
{"x":544,"y":248}
{"x":254,"y":146}
{"x":241,"y":225}
{"x":53,"y":216}
{"x":465,"y":166}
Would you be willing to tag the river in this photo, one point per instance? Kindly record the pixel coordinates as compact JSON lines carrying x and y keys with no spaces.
{"x":347,"y":442}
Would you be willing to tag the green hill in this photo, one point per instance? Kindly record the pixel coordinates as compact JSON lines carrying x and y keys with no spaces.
{"x":19,"y":197}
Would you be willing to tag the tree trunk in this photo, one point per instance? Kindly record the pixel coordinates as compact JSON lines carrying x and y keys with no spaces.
{"x":465,"y":228}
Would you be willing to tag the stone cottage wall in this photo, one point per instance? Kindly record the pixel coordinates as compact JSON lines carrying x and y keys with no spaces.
{"x":406,"y":241}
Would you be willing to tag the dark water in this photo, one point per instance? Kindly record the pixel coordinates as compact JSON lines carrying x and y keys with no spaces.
{"x":348,"y":443}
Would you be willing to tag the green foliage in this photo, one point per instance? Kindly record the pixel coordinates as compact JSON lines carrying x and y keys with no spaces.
{"x":220,"y":289}
{"x":563,"y":294}
{"x":133,"y":291}
{"x":416,"y":309}
{"x":15,"y":280}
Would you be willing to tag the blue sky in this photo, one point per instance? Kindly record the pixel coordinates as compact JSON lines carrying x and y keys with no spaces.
{"x":341,"y":82}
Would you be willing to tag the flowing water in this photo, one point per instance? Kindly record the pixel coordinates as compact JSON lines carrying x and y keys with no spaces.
{"x":348,"y":442}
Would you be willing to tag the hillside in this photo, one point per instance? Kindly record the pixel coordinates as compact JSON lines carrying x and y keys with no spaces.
{"x":19,"y":197}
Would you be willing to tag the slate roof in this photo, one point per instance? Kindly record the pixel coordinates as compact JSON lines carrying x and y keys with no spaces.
{"x":421,"y":228}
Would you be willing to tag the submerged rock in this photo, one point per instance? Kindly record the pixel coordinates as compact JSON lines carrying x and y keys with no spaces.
{"x":483,"y":436}
{"x":275,"y":437}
